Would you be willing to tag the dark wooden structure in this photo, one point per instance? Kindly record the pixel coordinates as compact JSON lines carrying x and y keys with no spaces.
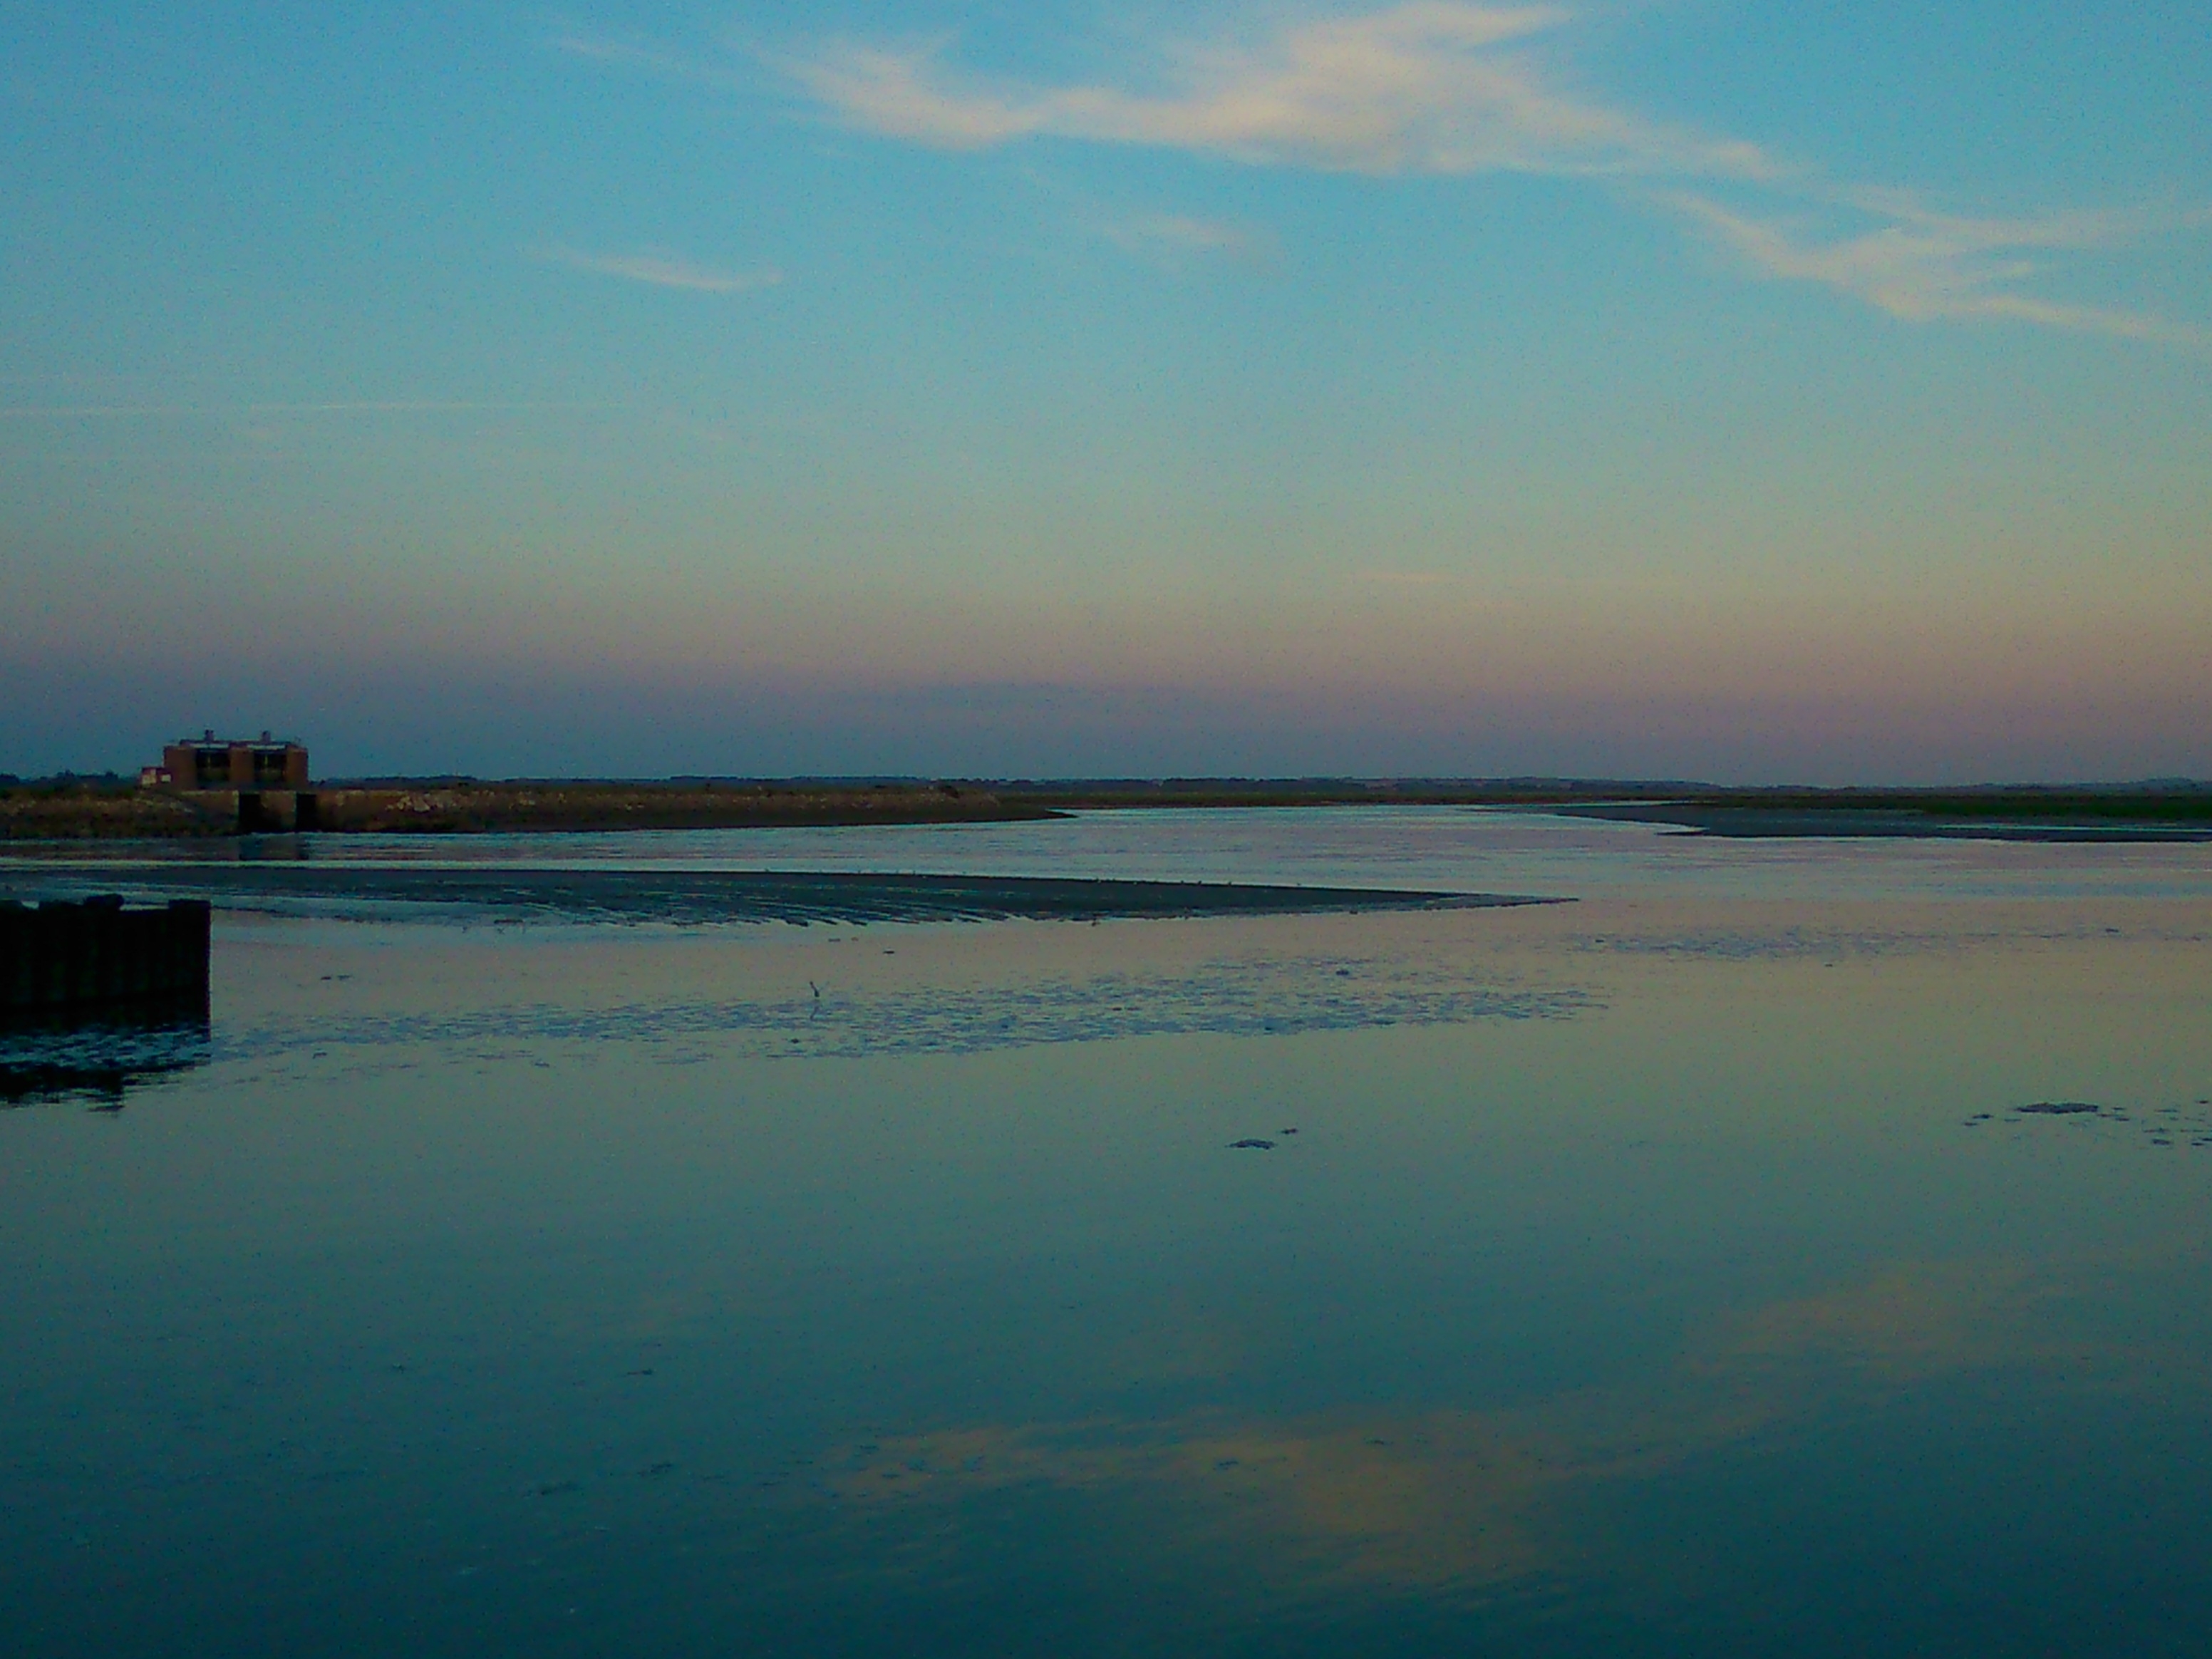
{"x":61,"y":955}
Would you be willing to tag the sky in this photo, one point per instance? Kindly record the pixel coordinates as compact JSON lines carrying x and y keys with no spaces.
{"x":1753,"y":391}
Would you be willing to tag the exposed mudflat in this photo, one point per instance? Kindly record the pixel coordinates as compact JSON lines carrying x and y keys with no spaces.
{"x":1757,"y":823}
{"x":732,"y":895}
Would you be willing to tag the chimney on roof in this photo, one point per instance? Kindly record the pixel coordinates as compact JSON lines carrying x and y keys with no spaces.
{"x":265,"y":734}
{"x":208,"y":735}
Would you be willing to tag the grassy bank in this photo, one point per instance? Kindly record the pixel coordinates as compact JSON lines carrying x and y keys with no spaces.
{"x":2178,"y":804}
{"x":99,"y":809}
{"x":115,"y":808}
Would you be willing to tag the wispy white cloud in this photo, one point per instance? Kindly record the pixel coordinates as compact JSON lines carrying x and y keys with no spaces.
{"x":650,"y":59}
{"x":662,"y":269}
{"x":1438,"y":87}
{"x":1177,"y":236}
{"x":1922,"y":265}
{"x":1432,"y":86}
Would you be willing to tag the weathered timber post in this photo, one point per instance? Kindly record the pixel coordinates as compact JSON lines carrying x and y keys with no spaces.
{"x":59,"y":955}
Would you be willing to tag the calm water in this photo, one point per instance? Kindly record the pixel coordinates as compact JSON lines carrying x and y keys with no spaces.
{"x":1672,"y":1271}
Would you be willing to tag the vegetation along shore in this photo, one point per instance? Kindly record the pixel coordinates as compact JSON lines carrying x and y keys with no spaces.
{"x":107,"y":807}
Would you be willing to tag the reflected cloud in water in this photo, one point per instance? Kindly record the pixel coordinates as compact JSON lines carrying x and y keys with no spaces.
{"x":1457,"y":1503}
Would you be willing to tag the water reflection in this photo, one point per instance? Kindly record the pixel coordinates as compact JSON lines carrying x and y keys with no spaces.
{"x":1645,"y":1277}
{"x":1447,"y":1503}
{"x":100,"y":1057}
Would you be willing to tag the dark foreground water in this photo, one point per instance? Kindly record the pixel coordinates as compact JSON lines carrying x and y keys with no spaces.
{"x":1681,"y":1271}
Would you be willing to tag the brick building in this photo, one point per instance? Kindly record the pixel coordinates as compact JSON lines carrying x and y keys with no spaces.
{"x":210,"y":762}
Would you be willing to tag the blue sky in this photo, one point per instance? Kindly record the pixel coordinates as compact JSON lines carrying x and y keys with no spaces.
{"x":1752,"y":392}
